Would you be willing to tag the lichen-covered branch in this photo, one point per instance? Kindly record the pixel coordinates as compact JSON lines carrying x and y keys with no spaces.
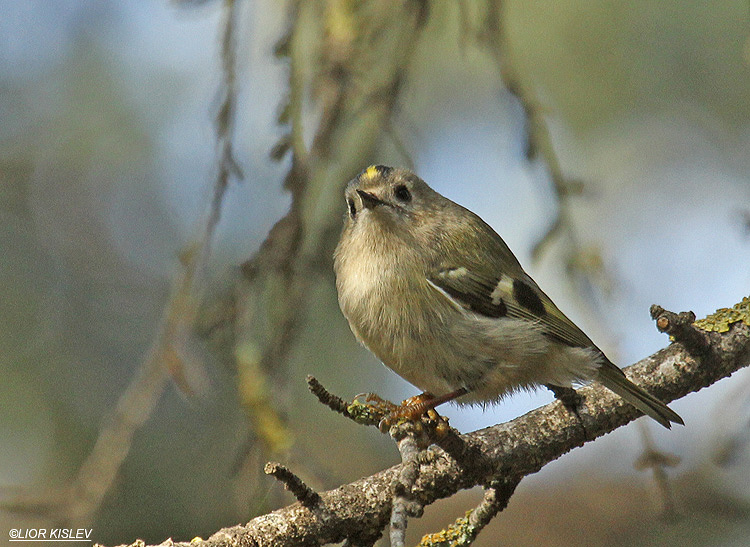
{"x":505,"y":452}
{"x":466,"y":529}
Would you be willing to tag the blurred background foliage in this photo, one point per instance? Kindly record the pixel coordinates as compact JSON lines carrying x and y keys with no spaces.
{"x":640,"y":121}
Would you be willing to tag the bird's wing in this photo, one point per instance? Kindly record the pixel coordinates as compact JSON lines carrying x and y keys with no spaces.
{"x":507,"y":296}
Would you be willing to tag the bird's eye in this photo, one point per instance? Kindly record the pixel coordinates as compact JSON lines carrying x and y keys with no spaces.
{"x":402,"y":193}
{"x":352,"y":208}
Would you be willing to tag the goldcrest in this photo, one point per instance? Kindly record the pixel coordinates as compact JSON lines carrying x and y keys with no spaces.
{"x":438,"y":296}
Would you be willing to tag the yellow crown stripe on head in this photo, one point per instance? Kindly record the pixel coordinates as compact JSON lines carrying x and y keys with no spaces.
{"x":371,"y":172}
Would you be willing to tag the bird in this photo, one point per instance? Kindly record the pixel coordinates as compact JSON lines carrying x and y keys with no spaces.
{"x":435,"y":293}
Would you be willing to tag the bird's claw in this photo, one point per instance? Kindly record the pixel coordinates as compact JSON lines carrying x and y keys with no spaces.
{"x":370,"y":408}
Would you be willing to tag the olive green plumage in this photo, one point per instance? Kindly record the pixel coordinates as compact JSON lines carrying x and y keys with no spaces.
{"x":438,"y":296}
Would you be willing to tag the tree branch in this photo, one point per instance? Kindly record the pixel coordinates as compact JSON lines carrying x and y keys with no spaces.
{"x":505,"y":452}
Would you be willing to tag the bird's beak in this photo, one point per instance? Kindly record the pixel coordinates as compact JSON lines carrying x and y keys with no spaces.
{"x":370,"y":201}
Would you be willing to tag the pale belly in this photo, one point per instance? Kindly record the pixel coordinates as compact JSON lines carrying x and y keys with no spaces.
{"x":488,"y":356}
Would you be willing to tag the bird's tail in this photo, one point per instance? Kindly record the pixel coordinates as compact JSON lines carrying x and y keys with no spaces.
{"x":614,"y":379}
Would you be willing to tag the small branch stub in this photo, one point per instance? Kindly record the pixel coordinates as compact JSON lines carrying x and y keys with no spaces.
{"x":304,"y":494}
{"x":680,"y":326}
{"x":334,"y":402}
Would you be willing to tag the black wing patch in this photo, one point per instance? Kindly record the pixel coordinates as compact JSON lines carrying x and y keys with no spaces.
{"x":470,"y":291}
{"x":501,"y":297}
{"x":527,"y":297}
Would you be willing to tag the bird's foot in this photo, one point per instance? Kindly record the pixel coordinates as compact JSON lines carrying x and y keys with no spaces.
{"x":411,"y":409}
{"x":370,"y":408}
{"x":419,"y":406}
{"x":376,"y":410}
{"x":568,"y":396}
{"x":387,"y":413}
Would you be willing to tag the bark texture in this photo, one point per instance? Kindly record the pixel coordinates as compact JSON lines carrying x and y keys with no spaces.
{"x":359,"y":512}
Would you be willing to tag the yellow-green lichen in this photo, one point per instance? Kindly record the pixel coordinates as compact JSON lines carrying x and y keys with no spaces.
{"x":721,"y":319}
{"x":364,"y":413}
{"x":461,"y":532}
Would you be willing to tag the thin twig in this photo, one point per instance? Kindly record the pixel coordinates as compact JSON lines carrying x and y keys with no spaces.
{"x":465,"y":530}
{"x":495,"y":499}
{"x":304,"y":494}
{"x":334,"y":402}
{"x":410,"y":440}
{"x":353,"y":59}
